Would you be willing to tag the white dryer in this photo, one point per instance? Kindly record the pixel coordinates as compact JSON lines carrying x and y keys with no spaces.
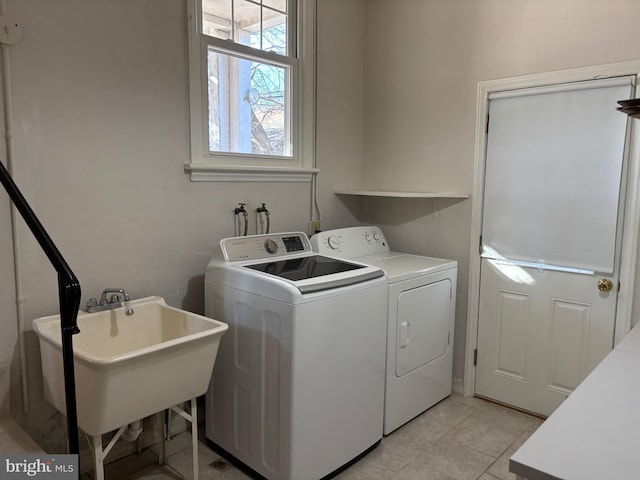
{"x":420,"y":319}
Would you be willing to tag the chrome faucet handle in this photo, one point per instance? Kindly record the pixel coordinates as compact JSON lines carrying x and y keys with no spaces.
{"x":119,"y":296}
{"x":118,"y":291}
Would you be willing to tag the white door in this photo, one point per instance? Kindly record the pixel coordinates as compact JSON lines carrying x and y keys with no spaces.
{"x":550,"y":249}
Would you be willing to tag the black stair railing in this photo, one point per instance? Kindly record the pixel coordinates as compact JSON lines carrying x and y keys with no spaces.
{"x":69,"y":294}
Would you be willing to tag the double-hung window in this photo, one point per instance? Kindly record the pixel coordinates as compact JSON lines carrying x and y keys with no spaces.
{"x":251,"y":89}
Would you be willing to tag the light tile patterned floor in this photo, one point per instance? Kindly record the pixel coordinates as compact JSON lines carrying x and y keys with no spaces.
{"x":13,"y":440}
{"x":461,"y":438}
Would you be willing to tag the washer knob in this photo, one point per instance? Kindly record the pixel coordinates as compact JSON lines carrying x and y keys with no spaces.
{"x":376,"y":237}
{"x":270,"y":246}
{"x":367,"y":236}
{"x":333,"y":242}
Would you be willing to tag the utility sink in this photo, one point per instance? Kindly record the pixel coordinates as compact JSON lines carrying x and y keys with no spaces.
{"x":129,"y":367}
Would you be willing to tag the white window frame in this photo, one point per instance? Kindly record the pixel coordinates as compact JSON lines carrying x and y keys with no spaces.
{"x":300,"y":167}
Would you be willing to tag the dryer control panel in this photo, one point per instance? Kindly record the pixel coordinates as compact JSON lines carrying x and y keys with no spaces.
{"x":350,"y":242}
{"x":257,"y":247}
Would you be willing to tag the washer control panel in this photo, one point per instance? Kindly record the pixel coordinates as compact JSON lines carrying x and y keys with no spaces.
{"x":350,"y":242}
{"x":255,"y":247}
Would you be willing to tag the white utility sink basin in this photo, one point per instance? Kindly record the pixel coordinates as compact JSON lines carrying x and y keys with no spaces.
{"x":129,"y":367}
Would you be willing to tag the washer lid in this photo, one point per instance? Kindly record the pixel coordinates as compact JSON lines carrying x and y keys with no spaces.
{"x":301,"y":268}
{"x":298,"y":269}
{"x":402,"y":266}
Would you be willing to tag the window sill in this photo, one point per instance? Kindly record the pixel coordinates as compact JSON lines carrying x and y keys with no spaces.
{"x":204,"y":172}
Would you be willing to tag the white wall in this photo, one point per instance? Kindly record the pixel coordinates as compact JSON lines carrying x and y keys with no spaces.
{"x":8,"y":329}
{"x":423,"y":60}
{"x":340,"y":107}
{"x":101,"y":110}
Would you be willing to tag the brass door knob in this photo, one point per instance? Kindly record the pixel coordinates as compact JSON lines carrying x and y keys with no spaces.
{"x":604,"y":285}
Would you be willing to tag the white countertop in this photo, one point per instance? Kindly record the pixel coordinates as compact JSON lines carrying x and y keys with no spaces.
{"x":594,"y":433}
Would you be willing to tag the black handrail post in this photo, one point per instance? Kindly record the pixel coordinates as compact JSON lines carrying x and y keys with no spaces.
{"x":69,"y":293}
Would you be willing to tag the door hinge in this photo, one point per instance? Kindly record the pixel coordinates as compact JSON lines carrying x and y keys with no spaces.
{"x":618,"y":286}
{"x":449,"y":338}
{"x":480,"y":245}
{"x":486,"y":126}
{"x":475,"y":357}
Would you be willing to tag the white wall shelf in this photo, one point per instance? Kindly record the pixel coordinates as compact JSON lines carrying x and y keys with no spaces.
{"x":386,"y":193}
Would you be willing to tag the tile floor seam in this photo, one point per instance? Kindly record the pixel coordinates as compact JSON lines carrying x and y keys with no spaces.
{"x":462,"y":446}
{"x":494,"y":463}
{"x":483,"y":453}
{"x":491,"y":477}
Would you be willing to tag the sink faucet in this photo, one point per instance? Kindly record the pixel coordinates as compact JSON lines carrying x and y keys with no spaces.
{"x":116,"y":291}
{"x":112,"y":302}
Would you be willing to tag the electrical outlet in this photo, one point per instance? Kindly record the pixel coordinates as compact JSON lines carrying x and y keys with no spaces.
{"x":314,"y":226}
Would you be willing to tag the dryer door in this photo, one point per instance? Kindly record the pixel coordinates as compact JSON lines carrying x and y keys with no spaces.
{"x":422,"y":329}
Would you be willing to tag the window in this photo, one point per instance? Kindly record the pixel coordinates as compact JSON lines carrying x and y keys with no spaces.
{"x":251,"y":89}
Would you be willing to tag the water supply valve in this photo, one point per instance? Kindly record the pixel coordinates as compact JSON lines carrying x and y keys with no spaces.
{"x":261,"y":210}
{"x":241,"y":210}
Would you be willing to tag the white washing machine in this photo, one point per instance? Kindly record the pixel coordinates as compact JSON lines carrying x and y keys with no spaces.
{"x":298,"y":385}
{"x":421,"y":319}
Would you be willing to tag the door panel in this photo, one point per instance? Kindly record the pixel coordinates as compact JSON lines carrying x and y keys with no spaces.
{"x":512,"y":333}
{"x":423,"y":333}
{"x":539,"y":334}
{"x":570,"y":330}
